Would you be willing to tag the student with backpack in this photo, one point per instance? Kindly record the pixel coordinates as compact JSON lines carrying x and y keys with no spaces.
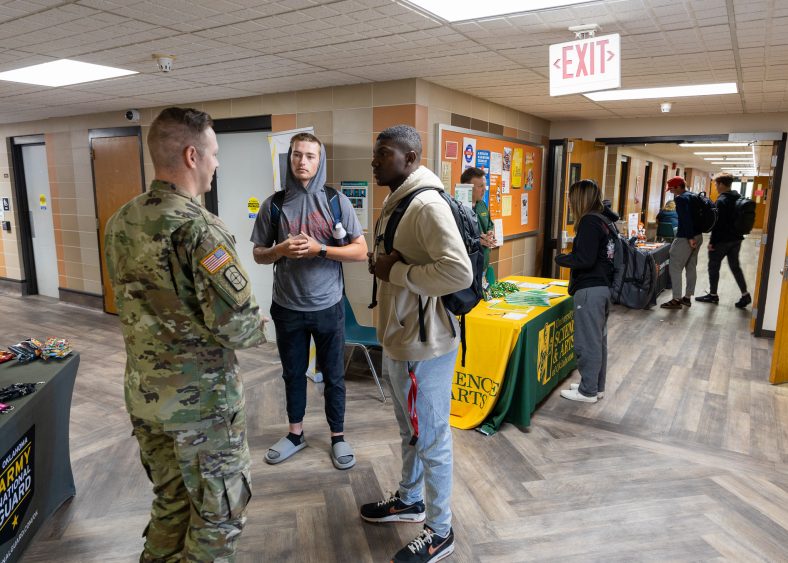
{"x":419,"y":336}
{"x":299,"y":232}
{"x":591,"y":273}
{"x":686,"y":246}
{"x":726,"y":238}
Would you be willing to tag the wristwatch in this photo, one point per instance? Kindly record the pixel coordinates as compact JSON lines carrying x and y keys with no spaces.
{"x":322,"y":252}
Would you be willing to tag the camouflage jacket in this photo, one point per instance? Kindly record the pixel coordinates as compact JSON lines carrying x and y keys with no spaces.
{"x":185,"y":305}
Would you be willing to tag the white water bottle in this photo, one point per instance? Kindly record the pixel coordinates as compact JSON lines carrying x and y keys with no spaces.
{"x":339,"y":231}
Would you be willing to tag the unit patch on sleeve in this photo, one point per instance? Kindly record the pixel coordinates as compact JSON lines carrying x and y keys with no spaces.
{"x":235,"y":277}
{"x":217,"y":258}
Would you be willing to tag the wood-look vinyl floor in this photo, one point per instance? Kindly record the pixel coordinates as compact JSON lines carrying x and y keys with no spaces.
{"x":684,"y":459}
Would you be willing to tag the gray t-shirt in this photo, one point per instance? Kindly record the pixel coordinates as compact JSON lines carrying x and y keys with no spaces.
{"x":311,"y":284}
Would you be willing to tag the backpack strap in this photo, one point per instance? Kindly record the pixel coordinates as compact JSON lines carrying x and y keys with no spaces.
{"x":396,"y":217}
{"x":334,"y":204}
{"x":276,"y":213}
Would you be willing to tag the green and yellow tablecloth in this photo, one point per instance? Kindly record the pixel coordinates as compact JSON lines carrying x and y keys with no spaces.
{"x":515,"y":356}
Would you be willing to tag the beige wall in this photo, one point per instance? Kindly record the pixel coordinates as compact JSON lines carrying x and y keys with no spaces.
{"x":346,"y":118}
{"x":722,"y":124}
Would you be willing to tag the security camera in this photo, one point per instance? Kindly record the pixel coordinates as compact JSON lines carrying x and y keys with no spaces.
{"x":132,"y":115}
{"x":164,"y":62}
{"x":665,"y":107}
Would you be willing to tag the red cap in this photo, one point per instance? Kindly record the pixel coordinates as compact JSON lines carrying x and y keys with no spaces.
{"x":676,"y":181}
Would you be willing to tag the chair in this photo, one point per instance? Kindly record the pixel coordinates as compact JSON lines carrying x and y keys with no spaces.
{"x":363,"y":337}
{"x":665,"y":231}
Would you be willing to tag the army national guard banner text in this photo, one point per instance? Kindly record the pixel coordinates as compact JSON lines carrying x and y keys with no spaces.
{"x":35,"y":469}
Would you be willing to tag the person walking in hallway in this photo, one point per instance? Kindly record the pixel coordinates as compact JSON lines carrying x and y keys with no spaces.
{"x":591,"y":272}
{"x":685,"y":247}
{"x":185,"y":305}
{"x":419,"y":338}
{"x":725,"y":242}
{"x":298,"y":231}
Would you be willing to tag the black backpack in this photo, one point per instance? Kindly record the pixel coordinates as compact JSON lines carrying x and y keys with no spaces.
{"x":634,"y":270}
{"x":745,"y":216}
{"x":278,"y":200}
{"x":704,"y":213}
{"x":460,"y":302}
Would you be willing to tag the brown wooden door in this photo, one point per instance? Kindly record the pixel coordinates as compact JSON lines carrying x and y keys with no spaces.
{"x":779,"y":373}
{"x":117,"y":177}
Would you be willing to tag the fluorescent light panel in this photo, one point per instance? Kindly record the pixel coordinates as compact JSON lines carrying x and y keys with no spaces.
{"x":461,"y":10}
{"x":63,"y":72}
{"x":730,"y":159}
{"x":698,"y":145}
{"x":718,"y":153}
{"x":664,"y":92}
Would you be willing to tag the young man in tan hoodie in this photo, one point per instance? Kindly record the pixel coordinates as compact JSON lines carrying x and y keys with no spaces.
{"x":429,"y":260}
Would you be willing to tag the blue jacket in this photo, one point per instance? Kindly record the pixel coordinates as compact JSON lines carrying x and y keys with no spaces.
{"x":668,"y":217}
{"x":684,"y":212}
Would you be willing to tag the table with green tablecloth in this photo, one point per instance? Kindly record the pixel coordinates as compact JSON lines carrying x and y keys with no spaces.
{"x":35,"y":466}
{"x":516,"y":355}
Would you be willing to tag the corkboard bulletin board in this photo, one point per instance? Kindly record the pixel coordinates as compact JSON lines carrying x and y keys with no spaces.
{"x":495,"y":153}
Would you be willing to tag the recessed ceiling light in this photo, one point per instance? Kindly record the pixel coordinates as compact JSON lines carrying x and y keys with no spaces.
{"x":461,"y":10}
{"x":720,"y":153}
{"x":693,"y":145}
{"x":664,"y":92}
{"x":730,"y":163}
{"x":63,"y":73}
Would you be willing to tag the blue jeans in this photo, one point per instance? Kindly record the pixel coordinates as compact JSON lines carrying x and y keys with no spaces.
{"x":327,"y":327}
{"x":426,"y":466}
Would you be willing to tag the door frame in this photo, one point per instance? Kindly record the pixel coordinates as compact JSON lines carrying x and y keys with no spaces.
{"x":15,"y":144}
{"x":551,"y":242}
{"x":259,"y":123}
{"x":758,"y":307}
{"x":133,"y":131}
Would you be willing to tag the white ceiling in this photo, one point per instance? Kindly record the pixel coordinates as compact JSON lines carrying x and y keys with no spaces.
{"x":687,"y":156}
{"x":236,"y":48}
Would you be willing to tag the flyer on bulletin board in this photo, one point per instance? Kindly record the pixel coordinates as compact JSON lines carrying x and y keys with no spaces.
{"x":483,"y":162}
{"x":517,"y":168}
{"x":446,"y":175}
{"x":506,"y":205}
{"x":468,"y":152}
{"x":496,"y":163}
{"x":529,"y":172}
{"x":524,"y":208}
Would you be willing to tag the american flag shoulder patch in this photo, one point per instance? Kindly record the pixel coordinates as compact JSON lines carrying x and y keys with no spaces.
{"x":217,"y":258}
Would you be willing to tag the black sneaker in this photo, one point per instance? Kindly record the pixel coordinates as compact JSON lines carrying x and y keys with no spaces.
{"x":744,"y":301}
{"x":393,"y":510}
{"x":708,"y":298}
{"x":426,"y":547}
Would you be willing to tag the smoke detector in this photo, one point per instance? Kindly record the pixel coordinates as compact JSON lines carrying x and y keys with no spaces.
{"x":164,"y":62}
{"x":665,"y":107}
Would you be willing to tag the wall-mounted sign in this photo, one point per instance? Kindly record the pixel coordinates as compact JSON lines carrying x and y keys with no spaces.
{"x":253,"y":206}
{"x":358,"y":194}
{"x":585,"y":65}
{"x":42,"y":202}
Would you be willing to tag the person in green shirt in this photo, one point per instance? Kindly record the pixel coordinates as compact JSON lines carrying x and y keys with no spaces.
{"x":475,"y":177}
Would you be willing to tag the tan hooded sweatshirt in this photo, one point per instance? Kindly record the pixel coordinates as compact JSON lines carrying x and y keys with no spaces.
{"x":435,"y":264}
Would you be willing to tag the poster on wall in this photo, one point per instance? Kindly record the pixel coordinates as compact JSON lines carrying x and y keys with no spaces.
{"x":446,"y":175}
{"x":280,"y":145}
{"x":507,"y":159}
{"x":483,"y":162}
{"x":358,"y":194}
{"x":468,"y":152}
{"x":464,"y":194}
{"x":529,"y":171}
{"x":524,"y":208}
{"x":451,"y":150}
{"x":496,"y":163}
{"x":517,"y":168}
{"x":632,"y":224}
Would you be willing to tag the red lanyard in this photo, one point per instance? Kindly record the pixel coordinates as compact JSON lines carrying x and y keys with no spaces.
{"x":414,"y":416}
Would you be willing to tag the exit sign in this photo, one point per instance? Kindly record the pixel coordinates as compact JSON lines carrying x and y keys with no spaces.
{"x":586,"y":65}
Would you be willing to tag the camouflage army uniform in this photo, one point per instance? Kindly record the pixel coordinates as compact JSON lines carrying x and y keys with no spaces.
{"x":185,"y":304}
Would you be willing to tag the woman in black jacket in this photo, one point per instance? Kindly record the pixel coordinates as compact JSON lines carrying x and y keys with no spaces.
{"x":591,"y":266}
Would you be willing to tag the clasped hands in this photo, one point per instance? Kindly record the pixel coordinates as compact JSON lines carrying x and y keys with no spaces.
{"x":299,"y":246}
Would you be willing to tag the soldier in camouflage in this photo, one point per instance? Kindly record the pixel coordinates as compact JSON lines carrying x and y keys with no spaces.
{"x":185,"y":305}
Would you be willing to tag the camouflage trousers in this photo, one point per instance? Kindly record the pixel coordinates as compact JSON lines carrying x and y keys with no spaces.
{"x":200,"y":476}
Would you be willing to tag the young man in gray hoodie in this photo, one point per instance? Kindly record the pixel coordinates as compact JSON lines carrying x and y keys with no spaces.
{"x":308,"y":289}
{"x":428,"y":261}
